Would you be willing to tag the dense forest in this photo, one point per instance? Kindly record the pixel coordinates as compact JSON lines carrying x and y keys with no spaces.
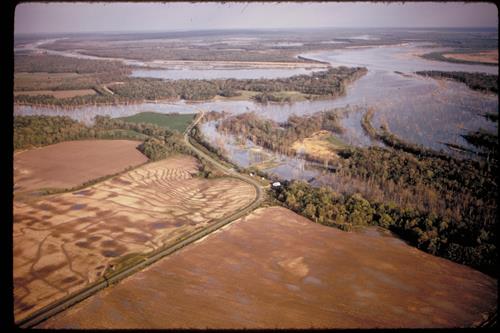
{"x":267,"y":97}
{"x":332,"y":82}
{"x":451,"y":188}
{"x":51,"y":72}
{"x":41,"y":100}
{"x":446,"y":207}
{"x":328,"y":83}
{"x":476,"y":81}
{"x":492,"y":117}
{"x":468,"y":242}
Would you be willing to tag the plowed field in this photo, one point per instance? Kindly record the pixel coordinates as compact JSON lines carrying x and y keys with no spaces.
{"x":71,"y":163}
{"x":277,"y":269}
{"x":63,"y":242}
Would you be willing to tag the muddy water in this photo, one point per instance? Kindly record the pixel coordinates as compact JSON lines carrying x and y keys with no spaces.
{"x":210,"y":74}
{"x":173,"y":72}
{"x":420,"y":110}
{"x":246,"y":154}
{"x":404,"y":58}
{"x":417,"y":109}
{"x":86,"y":114}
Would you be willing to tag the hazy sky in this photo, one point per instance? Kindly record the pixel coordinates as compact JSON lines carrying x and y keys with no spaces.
{"x":87,"y":17}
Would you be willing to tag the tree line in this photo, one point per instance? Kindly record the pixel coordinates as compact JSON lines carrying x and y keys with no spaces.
{"x":158,"y":142}
{"x":332,"y":83}
{"x":465,"y":243}
{"x":475,"y":81}
{"x":37,"y":131}
{"x":47,"y":63}
{"x":439,"y":56}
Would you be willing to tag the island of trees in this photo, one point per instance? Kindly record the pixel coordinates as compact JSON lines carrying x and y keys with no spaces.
{"x":112,"y":84}
{"x":476,"y":81}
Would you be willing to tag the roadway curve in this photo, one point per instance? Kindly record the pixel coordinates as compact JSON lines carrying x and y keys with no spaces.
{"x":70,"y":300}
{"x":224,"y":169}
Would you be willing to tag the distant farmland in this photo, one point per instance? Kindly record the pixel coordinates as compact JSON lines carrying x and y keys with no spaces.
{"x":177,"y":122}
{"x":58,"y":93}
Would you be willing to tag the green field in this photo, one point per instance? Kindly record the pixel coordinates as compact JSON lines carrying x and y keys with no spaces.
{"x":177,"y":122}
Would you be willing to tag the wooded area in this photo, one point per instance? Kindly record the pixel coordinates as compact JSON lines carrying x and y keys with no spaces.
{"x":281,"y":136}
{"x":37,"y":131}
{"x":59,"y":64}
{"x":471,"y":241}
{"x":475,"y":81}
{"x":120,"y":88}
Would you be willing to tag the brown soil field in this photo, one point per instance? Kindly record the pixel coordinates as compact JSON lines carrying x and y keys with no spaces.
{"x":45,"y":75}
{"x":317,"y":145}
{"x":58,"y":93}
{"x":71,"y":163}
{"x":64,"y":242}
{"x":487,"y":56}
{"x":276,"y":269}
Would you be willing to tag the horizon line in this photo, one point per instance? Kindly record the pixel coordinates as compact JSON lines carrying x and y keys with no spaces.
{"x":244,"y":29}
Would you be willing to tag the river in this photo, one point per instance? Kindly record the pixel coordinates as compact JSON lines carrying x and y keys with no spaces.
{"x":420,"y":110}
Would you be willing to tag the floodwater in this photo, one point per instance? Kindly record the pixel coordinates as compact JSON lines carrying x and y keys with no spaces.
{"x":420,"y":110}
{"x":211,"y":74}
{"x":86,"y":114}
{"x":176,"y":71}
{"x":403,"y":58}
{"x":246,"y":154}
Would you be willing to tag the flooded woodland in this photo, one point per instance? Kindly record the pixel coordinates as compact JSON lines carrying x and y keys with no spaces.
{"x":324,"y":181}
{"x":421,"y":110}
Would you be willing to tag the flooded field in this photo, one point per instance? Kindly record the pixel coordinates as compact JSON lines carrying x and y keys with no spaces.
{"x":71,"y":163}
{"x":275,"y":269}
{"x":63,"y":242}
